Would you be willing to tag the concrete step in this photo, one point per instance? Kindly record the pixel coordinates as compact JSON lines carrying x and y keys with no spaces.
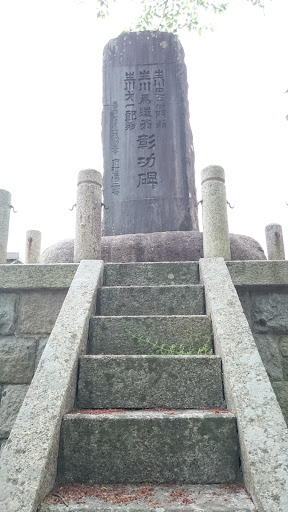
{"x":149,"y":446}
{"x":151,"y":300}
{"x":148,"y":498}
{"x":145,"y":274}
{"x":119,"y":334}
{"x":135,"y":382}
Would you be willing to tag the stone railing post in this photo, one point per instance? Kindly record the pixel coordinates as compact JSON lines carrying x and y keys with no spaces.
{"x":214,"y":210}
{"x":33,"y":246}
{"x":5,"y":206}
{"x":87,"y":245}
{"x":274,"y":242}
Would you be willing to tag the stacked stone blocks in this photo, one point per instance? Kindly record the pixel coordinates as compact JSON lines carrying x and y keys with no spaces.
{"x":30,"y":301}
{"x":263,"y":291}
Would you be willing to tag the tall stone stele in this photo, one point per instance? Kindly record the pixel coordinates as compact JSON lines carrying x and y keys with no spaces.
{"x":149,"y":181}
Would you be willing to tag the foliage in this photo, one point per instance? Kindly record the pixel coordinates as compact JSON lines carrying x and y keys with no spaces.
{"x":103,"y":8}
{"x":173,"y":15}
{"x":172,"y":350}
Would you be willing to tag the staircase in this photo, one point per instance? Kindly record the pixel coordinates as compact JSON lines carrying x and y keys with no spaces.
{"x":144,"y":418}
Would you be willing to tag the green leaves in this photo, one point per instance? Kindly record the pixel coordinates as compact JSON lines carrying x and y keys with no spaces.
{"x":103,"y":8}
{"x":172,"y":350}
{"x":173,"y":15}
{"x":260,"y":3}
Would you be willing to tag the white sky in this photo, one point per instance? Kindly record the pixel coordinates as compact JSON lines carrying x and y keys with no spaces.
{"x":50,"y":109}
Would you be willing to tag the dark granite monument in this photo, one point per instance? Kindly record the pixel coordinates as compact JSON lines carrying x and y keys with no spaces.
{"x":149,"y":179}
{"x":149,"y":182}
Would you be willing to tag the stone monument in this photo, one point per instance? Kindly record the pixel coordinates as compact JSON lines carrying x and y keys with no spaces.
{"x":149,"y":189}
{"x":149,"y":179}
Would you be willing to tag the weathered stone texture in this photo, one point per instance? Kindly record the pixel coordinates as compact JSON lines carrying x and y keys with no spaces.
{"x":266,"y":310}
{"x":262,"y":430}
{"x":143,"y":446}
{"x":19,"y":277}
{"x":135,"y":382}
{"x":88,"y":216}
{"x":30,"y":301}
{"x":167,"y":246}
{"x":270,"y":311}
{"x":281,"y":392}
{"x":145,"y":274}
{"x":149,"y":177}
{"x":258,"y":273}
{"x":245,"y":299}
{"x":151,"y":300}
{"x":38,"y":310}
{"x":2,"y":445}
{"x":283,"y":345}
{"x":274,"y":241}
{"x":5,"y":202}
{"x":159,"y":498}
{"x":41,"y":345}
{"x":114,"y":335}
{"x":33,"y":246}
{"x":17,"y":360}
{"x":214,"y":213}
{"x":11,"y":401}
{"x":28,"y":463}
{"x":268,"y":346}
{"x":8,"y":303}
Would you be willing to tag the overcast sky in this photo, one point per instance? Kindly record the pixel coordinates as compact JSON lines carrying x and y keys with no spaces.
{"x":51,"y":102}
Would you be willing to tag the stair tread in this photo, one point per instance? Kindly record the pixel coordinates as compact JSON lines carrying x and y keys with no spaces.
{"x":144,"y":381}
{"x":134,"y":446}
{"x":148,"y":497}
{"x":144,"y":273}
{"x":147,"y":300}
{"x":150,"y":316}
{"x":116,"y":334}
{"x":149,"y":356}
{"x":98,"y":414}
{"x":154,"y":286}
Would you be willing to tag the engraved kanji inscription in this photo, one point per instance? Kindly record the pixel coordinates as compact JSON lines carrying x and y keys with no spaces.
{"x":129,"y":81}
{"x":143,"y":161}
{"x":148,"y":178}
{"x":146,"y":141}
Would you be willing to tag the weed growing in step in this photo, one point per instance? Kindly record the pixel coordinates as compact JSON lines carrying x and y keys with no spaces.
{"x":172,"y":350}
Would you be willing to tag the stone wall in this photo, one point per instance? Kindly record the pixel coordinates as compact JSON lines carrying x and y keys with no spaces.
{"x":30,"y":300}
{"x":31,"y":297}
{"x":266,"y":309}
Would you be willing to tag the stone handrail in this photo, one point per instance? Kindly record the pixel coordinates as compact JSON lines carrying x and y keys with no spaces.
{"x":263,"y":433}
{"x":28,"y":463}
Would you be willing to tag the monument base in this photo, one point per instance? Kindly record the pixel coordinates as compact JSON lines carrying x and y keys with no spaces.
{"x":163,"y":246}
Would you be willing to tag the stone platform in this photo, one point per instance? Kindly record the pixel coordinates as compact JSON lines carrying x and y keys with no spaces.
{"x":147,"y":497}
{"x":162,"y":246}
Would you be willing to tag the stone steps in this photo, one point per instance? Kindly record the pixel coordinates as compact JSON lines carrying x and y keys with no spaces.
{"x":114,"y":334}
{"x":151,"y":300}
{"x":143,"y":417}
{"x":145,"y":381}
{"x":148,"y":498}
{"x":156,"y":274}
{"x":192,"y":446}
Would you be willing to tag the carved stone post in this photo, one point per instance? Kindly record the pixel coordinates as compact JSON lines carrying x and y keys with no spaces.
{"x":215,"y":222}
{"x":274,"y":242}
{"x":88,"y":216}
{"x":33,"y":246}
{"x":5,"y":206}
